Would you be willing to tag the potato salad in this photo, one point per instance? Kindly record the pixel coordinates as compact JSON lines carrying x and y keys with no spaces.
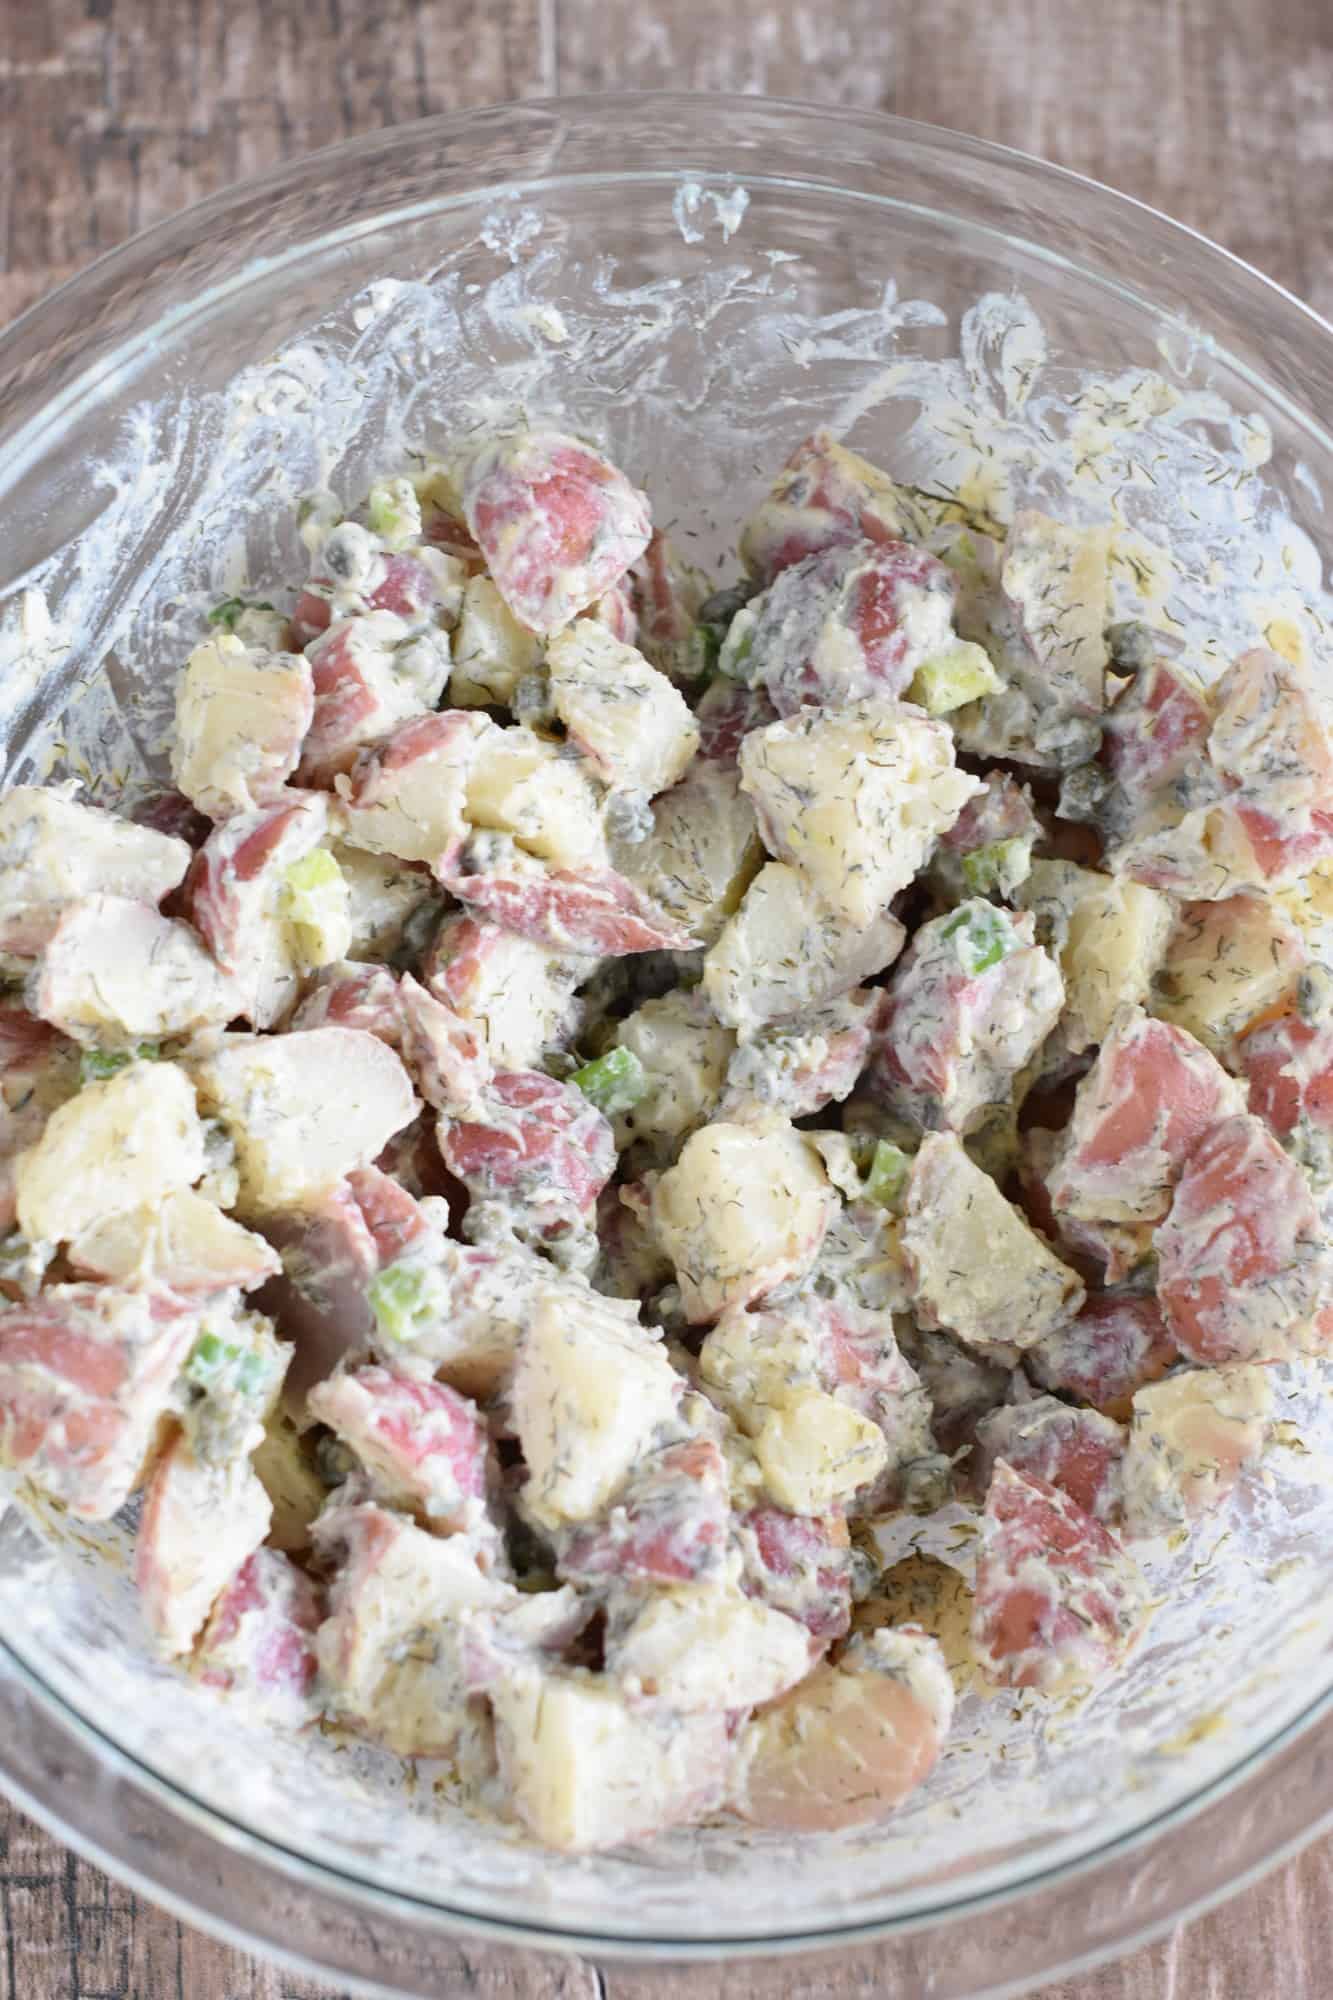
{"x":599,"y":1089}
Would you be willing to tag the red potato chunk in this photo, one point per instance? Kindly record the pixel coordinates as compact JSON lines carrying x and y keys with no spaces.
{"x":1243,"y":1265}
{"x":116,"y":973}
{"x":369,"y":675}
{"x":407,"y":797}
{"x":234,"y":896}
{"x":39,"y":1071}
{"x":1079,"y":1452}
{"x":1288,"y":1064}
{"x":169,"y":811}
{"x":667,"y":594}
{"x":800,"y":1564}
{"x":542,"y":1148}
{"x":617,"y":610}
{"x":352,"y":995}
{"x":1191,"y":1439}
{"x":1117,"y":1345}
{"x":259,"y":1641}
{"x":593,"y":911}
{"x":726,"y":714}
{"x":824,"y":497}
{"x":200,"y":1523}
{"x":1056,"y":1595}
{"x":86,"y":1375}
{"x":852,"y":622}
{"x":424,"y":1446}
{"x":518,"y":994}
{"x":969,"y":1005}
{"x":1148,"y":1100}
{"x":669,"y":1524}
{"x":54,"y":850}
{"x":446,"y":1055}
{"x":1153,"y":748}
{"x":557,"y":523}
{"x":421,"y":585}
{"x":851,"y":1741}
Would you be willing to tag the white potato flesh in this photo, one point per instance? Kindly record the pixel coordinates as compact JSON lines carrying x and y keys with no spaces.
{"x":684,"y":1053}
{"x":304,"y":1109}
{"x":529,"y":787}
{"x":855,"y":798}
{"x":181,"y":1241}
{"x":241,"y":717}
{"x":744,"y":1209}
{"x":702,"y":854}
{"x":492,"y":651}
{"x":815,"y":1453}
{"x":239,"y":897}
{"x":634,"y":727}
{"x":117,"y":972}
{"x":978,"y":1269}
{"x":851,"y":1741}
{"x":784,"y":952}
{"x":382,"y":893}
{"x":54,"y":850}
{"x":518,"y":992}
{"x":705,"y":1647}
{"x":1228,"y":964}
{"x":119,"y":1144}
{"x":200,"y":1522}
{"x":406,"y":798}
{"x":1115,"y":944}
{"x":1191,"y":1437}
{"x":585,"y":1771}
{"x":590,"y":1392}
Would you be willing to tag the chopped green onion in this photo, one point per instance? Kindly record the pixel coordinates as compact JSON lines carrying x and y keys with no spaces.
{"x":734,"y":654}
{"x":393,"y":511}
{"x":982,"y":936}
{"x":889,"y":1168}
{"x":614,"y":1082}
{"x":95,"y":1065}
{"x":951,"y":679}
{"x":232,"y":609}
{"x":1000,"y":865}
{"x":401,"y":1301}
{"x":209,"y":1357}
{"x":318,"y":906}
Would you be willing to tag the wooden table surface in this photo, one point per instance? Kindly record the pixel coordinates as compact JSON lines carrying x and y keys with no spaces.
{"x":116,"y":112}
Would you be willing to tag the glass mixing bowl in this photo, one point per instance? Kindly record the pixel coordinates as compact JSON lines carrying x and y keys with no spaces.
{"x":696,"y":282}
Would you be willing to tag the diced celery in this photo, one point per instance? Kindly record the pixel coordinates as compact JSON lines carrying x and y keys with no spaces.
{"x":1000,"y":865}
{"x":950,"y":680}
{"x":95,"y":1065}
{"x":209,"y":1358}
{"x":733,"y":658}
{"x":393,"y":511}
{"x":401,"y":1301}
{"x":982,"y":936}
{"x":318,"y":906}
{"x":232,"y":609}
{"x":887,"y":1176}
{"x":614,"y":1082}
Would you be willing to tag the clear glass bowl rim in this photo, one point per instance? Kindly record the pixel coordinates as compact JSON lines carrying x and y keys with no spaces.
{"x":1298,"y":343}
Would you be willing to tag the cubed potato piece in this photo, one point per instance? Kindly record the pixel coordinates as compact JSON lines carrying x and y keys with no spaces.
{"x":259,"y":1642}
{"x":303,"y":1109}
{"x":706,"y":1648}
{"x":1116,"y":941}
{"x":744,"y":1209}
{"x":54,"y":850}
{"x":1190,"y":1439}
{"x":407,"y":798}
{"x":590,"y":1392}
{"x":1079,"y":1452}
{"x":517,"y":992}
{"x":1227,"y":965}
{"x":492,"y":651}
{"x":979,"y":1270}
{"x":801,"y":1065}
{"x":668,"y":593}
{"x":797,"y":1564}
{"x":241,"y":895}
{"x":1057,"y":580}
{"x":823,"y":497}
{"x":200,"y":1523}
{"x":855,"y":798}
{"x":631,"y":724}
{"x":703,"y":851}
{"x":586,"y":1771}
{"x":557,"y":523}
{"x":529,"y":787}
{"x":592,"y":911}
{"x":537,"y":1149}
{"x":784,"y":952}
{"x":1117,"y":1345}
{"x":851,"y":1741}
{"x":1052,"y":892}
{"x":684,"y":1055}
{"x":119,"y":1144}
{"x":372,"y":673}
{"x":383,"y":895}
{"x":459,"y":1311}
{"x":390,"y":1652}
{"x":669,"y":1522}
{"x":424,"y":1446}
{"x":180,"y":1241}
{"x":86,"y":1377}
{"x":286,"y":1469}
{"x":816,"y":1454}
{"x":241,"y":718}
{"x":116,"y":973}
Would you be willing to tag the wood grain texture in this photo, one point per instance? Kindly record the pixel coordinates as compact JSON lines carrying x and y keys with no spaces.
{"x":114,"y":113}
